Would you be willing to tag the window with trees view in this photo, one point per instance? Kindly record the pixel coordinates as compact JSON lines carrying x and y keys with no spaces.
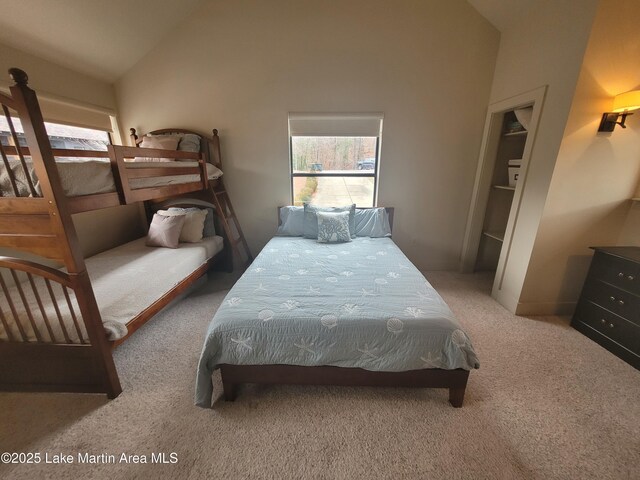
{"x":331,"y":168}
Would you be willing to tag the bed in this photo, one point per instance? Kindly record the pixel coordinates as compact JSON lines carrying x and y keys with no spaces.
{"x":154,"y":271}
{"x":95,"y":176}
{"x":61,"y":315}
{"x":356,"y":313}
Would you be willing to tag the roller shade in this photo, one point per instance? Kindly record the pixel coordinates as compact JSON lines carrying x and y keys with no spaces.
{"x":58,"y":112}
{"x":68,"y":112}
{"x":335,"y":124}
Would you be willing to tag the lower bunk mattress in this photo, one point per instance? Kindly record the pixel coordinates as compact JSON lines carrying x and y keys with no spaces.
{"x":125,"y":281}
{"x":88,"y":177}
{"x":361,"y":304}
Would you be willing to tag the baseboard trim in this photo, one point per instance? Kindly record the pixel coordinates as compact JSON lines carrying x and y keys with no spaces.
{"x":545,"y":308}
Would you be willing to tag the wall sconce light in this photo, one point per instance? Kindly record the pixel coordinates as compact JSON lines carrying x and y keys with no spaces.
{"x":623,"y":105}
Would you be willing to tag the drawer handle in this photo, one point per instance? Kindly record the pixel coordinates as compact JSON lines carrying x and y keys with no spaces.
{"x":620,"y":302}
{"x":603,"y":321}
{"x":613,"y":299}
{"x":611,"y":325}
{"x":631,"y":278}
{"x":621,"y":274}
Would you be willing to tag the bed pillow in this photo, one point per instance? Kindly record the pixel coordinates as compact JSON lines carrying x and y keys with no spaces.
{"x":311,"y":219}
{"x":209,"y":222}
{"x":291,"y":222}
{"x":165,"y":231}
{"x":163,"y":142}
{"x":372,"y":222}
{"x":193,"y":227}
{"x":333,"y":227}
{"x":189,"y":142}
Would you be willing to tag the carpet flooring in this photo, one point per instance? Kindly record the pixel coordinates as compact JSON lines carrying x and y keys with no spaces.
{"x":547,"y":403}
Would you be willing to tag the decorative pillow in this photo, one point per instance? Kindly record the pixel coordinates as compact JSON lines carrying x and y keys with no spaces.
{"x":311,"y":220}
{"x":209,"y":221}
{"x":189,"y":142}
{"x":291,"y":222}
{"x":333,"y":227}
{"x":163,"y":142}
{"x":165,"y":231}
{"x":193,"y":227}
{"x":372,"y":222}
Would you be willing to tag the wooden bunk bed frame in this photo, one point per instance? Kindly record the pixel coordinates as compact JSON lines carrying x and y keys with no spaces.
{"x":453,"y":380}
{"x":41,"y":225}
{"x":215,"y":195}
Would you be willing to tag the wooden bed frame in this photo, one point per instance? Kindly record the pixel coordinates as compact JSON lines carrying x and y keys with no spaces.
{"x":454,"y":380}
{"x":41,"y":225}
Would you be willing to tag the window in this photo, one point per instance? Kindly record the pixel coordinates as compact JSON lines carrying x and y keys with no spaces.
{"x":70,"y":124}
{"x":60,"y":136}
{"x":334,"y":158}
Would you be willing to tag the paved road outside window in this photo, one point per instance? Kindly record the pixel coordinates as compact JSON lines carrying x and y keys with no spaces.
{"x":344,"y":190}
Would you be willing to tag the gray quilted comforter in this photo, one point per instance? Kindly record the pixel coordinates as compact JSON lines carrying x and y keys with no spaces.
{"x":358,"y":304}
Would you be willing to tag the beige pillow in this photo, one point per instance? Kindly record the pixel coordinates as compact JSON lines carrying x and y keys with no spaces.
{"x":163,"y":142}
{"x":193,"y":227}
{"x":165,"y":231}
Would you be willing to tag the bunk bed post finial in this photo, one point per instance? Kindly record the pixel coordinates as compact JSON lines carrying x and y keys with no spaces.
{"x":20,"y":77}
{"x":134,"y":136}
{"x":214,"y":149}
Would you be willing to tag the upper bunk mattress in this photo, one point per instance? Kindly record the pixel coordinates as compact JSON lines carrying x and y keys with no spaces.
{"x":125,"y":281}
{"x":87,"y":177}
{"x":360,"y":304}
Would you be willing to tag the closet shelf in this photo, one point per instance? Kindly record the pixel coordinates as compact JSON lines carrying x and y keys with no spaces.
{"x":514,"y":134}
{"x":495,"y":235}
{"x":504,"y":187}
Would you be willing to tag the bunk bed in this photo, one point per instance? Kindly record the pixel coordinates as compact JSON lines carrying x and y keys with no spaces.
{"x":59,"y":312}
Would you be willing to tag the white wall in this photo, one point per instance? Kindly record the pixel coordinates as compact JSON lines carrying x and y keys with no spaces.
{"x":241,"y":66}
{"x":631,"y":230}
{"x":45,"y":76}
{"x":595,"y":175}
{"x":630,"y":234}
{"x":545,"y":48}
{"x":101,"y":229}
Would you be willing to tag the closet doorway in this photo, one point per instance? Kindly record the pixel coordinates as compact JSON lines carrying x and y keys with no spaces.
{"x":501,"y":180}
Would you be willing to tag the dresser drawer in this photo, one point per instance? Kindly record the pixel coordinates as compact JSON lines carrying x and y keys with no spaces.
{"x":610,"y":325}
{"x":614,"y":299}
{"x":616,"y":271}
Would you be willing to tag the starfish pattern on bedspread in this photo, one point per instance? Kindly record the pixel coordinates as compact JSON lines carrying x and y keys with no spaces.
{"x":369,"y":308}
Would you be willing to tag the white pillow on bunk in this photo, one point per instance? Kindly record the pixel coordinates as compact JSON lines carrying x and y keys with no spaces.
{"x":163,"y":142}
{"x":189,"y":142}
{"x":209,"y":222}
{"x":165,"y":231}
{"x":193,"y":227}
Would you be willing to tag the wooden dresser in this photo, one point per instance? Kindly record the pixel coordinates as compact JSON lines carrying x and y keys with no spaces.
{"x":608,"y":310}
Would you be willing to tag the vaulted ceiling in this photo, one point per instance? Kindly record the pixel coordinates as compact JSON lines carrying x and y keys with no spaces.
{"x":105,"y":38}
{"x":503,"y":13}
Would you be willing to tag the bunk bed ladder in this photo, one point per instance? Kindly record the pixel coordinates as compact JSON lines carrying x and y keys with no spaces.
{"x":229,"y":220}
